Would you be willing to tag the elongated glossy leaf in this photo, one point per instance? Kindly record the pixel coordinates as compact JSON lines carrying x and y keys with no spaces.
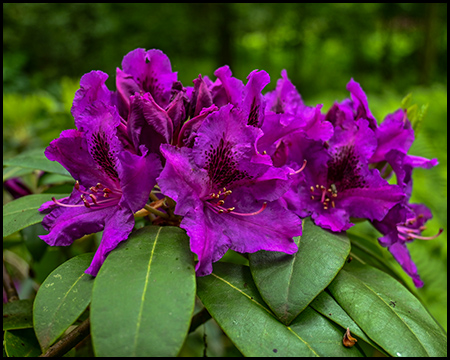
{"x":371,"y":253}
{"x":15,"y":171}
{"x":61,"y":299}
{"x":144,"y":294}
{"x":387,"y":312}
{"x":328,"y":307}
{"x":23,"y":212}
{"x":21,"y":343}
{"x":324,"y":336}
{"x":35,"y":159}
{"x":231,"y":297}
{"x":288,"y":283}
{"x":18,"y":314}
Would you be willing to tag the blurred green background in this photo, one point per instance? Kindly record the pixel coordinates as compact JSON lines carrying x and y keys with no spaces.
{"x":390,"y":49}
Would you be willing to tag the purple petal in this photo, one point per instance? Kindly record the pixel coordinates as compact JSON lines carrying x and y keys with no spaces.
{"x":201,"y":97}
{"x":253,"y":101}
{"x":359,"y":136}
{"x":340,"y":115}
{"x":361,"y":105}
{"x":285,"y":98}
{"x":92,"y":89}
{"x":137,"y":177}
{"x":126,"y":87}
{"x":148,"y":124}
{"x":180,"y":180}
{"x":373,"y":202}
{"x":72,"y":152}
{"x":395,"y":132}
{"x":229,"y":144}
{"x":152,"y":72}
{"x":230,"y":90}
{"x":117,"y":228}
{"x":333,"y":219}
{"x":177,"y":113}
{"x":189,"y":129}
{"x":67,"y":224}
{"x":401,"y":254}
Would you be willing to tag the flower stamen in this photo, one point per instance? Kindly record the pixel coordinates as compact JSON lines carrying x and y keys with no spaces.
{"x":301,"y":169}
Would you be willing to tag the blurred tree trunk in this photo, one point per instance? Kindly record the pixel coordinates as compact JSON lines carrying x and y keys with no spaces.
{"x":429,"y":47}
{"x":225,"y":18}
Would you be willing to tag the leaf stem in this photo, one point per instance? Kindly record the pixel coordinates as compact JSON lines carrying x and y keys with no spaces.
{"x":69,"y":341}
{"x":156,"y":212}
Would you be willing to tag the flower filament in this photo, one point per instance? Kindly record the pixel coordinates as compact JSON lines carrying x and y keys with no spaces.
{"x":217,"y":207}
{"x":409,"y":233}
{"x":97,"y":197}
{"x":325,"y":196}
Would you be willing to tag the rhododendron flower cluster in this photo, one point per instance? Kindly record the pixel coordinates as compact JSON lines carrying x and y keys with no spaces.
{"x":241,"y":167}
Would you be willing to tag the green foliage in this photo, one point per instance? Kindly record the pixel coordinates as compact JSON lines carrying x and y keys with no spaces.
{"x":383,"y":308}
{"x":143,"y":296}
{"x":270,"y":269}
{"x":22,"y":212}
{"x":61,"y":299}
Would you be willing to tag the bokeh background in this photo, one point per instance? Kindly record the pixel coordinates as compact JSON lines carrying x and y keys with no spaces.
{"x":390,"y":49}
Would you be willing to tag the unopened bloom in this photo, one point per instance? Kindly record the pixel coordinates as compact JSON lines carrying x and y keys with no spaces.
{"x":227,"y":192}
{"x":112,"y":184}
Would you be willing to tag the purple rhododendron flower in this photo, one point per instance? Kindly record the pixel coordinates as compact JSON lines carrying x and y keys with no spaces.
{"x":286,"y":113}
{"x":405,"y":222}
{"x":149,"y":99}
{"x":112,"y":184}
{"x":338,"y":182}
{"x":226,"y":192}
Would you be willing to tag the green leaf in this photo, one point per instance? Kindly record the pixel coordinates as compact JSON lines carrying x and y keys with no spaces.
{"x":23,"y":212}
{"x":231,"y":297}
{"x":366,"y":251}
{"x":61,"y":299}
{"x":15,"y":171}
{"x":143,"y":297}
{"x":18,"y":314}
{"x":406,"y":101}
{"x":327,"y":306}
{"x":324,"y":336}
{"x":35,"y":159}
{"x":288,"y":283}
{"x":21,"y":343}
{"x":387,"y":312}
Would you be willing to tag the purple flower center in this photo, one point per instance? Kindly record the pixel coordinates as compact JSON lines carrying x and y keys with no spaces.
{"x":222,"y":173}
{"x":103,"y":155}
{"x":221,"y":166}
{"x":97,"y":197}
{"x":344,"y":173}
{"x":218,"y":206}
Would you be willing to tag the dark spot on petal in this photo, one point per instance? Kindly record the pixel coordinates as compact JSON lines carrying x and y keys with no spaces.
{"x":253,"y":117}
{"x":102,"y":155}
{"x":344,"y":170}
{"x":221,"y":166}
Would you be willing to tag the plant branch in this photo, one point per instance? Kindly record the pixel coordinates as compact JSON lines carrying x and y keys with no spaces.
{"x":199,"y":319}
{"x":156,"y":212}
{"x":69,"y":341}
{"x":8,"y":283}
